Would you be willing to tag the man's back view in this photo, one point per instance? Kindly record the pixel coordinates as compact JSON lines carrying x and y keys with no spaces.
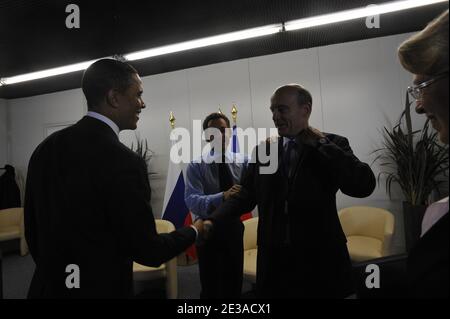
{"x":87,"y":198}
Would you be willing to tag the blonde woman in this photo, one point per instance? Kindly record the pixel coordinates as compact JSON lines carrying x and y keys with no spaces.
{"x":425,"y":55}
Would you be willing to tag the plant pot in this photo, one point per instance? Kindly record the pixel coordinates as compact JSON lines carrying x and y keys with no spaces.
{"x":412,"y":217}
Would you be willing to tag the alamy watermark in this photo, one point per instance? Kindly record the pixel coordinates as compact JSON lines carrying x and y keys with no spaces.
{"x":187,"y":147}
{"x":73,"y":19}
{"x":73,"y":279}
{"x":373,"y":279}
{"x":373,"y":22}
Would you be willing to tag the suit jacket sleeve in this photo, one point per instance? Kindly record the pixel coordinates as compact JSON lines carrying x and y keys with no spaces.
{"x":132,"y":218}
{"x":239,"y":204}
{"x":353,"y":177}
{"x":30,"y":214}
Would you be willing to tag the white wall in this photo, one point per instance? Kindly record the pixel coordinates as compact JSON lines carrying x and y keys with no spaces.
{"x":269,"y":72}
{"x":363,"y":88}
{"x":31,"y":118}
{"x":356,"y":87}
{"x":3,"y":133}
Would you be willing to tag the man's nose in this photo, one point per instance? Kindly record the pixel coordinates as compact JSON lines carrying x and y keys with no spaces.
{"x":419,"y":107}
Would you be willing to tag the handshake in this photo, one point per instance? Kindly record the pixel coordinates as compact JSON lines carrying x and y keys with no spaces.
{"x":205,"y":229}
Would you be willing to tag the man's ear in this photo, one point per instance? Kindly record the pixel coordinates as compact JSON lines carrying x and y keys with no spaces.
{"x":112,"y":98}
{"x":308,"y":109}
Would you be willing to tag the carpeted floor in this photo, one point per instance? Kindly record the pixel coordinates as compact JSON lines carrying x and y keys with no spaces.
{"x":18,"y":271}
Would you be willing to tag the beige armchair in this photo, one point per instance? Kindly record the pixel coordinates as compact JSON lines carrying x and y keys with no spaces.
{"x":250,"y":248}
{"x":368,"y":230}
{"x":167,"y":270}
{"x":12,"y":227}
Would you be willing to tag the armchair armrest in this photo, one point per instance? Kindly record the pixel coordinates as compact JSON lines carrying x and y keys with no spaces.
{"x":23,"y":242}
{"x":388,"y":233}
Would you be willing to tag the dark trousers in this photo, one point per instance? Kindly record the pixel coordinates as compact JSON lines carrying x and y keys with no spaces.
{"x":288,"y":272}
{"x":220,"y":262}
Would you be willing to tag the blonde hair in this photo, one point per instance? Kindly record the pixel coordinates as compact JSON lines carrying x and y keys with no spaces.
{"x":427,"y":51}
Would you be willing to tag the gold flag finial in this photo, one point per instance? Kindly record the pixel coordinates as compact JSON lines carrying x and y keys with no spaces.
{"x":172,"y":120}
{"x":234,"y":112}
{"x":220,"y":110}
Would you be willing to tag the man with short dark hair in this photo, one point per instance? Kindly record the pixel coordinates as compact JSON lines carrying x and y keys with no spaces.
{"x":302,"y":249}
{"x":209,"y":182}
{"x":87,"y":204}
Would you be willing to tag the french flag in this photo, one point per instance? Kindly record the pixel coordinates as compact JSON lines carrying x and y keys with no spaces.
{"x":174,"y":207}
{"x":235,"y":149}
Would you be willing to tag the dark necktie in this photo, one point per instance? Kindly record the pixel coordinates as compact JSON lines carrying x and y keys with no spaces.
{"x":225,"y":178}
{"x":289,"y":158}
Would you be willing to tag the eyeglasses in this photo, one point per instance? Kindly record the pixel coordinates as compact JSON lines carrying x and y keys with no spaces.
{"x":416,"y":90}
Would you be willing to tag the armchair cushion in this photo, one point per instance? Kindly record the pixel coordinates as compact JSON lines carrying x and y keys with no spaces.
{"x":368,"y":230}
{"x":364,"y":248}
{"x":9,"y":232}
{"x":12,"y":227}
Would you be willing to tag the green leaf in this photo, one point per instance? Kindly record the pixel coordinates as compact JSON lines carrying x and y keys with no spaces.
{"x":413,"y":159}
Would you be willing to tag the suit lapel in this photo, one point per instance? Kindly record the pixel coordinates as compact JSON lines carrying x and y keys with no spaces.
{"x":280,"y":171}
{"x":304,"y":153}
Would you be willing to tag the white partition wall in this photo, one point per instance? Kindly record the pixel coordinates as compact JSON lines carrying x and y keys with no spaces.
{"x":363,"y":88}
{"x":221,"y":85}
{"x":269,"y":72}
{"x":33,"y":118}
{"x":357,"y":88}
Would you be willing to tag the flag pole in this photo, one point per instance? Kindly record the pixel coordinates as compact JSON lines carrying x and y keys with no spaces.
{"x":234,"y":140}
{"x":175,"y":200}
{"x":172,"y":120}
{"x":234,"y":112}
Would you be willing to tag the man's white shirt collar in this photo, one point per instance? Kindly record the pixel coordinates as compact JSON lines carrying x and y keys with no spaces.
{"x":287,"y":140}
{"x":105,"y":120}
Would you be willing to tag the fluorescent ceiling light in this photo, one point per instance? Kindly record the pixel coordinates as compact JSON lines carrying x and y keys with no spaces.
{"x":204,"y":42}
{"x":347,"y":15}
{"x":234,"y":36}
{"x":178,"y":47}
{"x":46,"y":73}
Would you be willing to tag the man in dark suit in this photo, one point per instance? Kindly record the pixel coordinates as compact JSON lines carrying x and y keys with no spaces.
{"x":87,"y":206}
{"x":301,"y":246}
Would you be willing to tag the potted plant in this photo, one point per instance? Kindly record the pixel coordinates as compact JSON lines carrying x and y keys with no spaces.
{"x":418,"y":163}
{"x":143,"y":150}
